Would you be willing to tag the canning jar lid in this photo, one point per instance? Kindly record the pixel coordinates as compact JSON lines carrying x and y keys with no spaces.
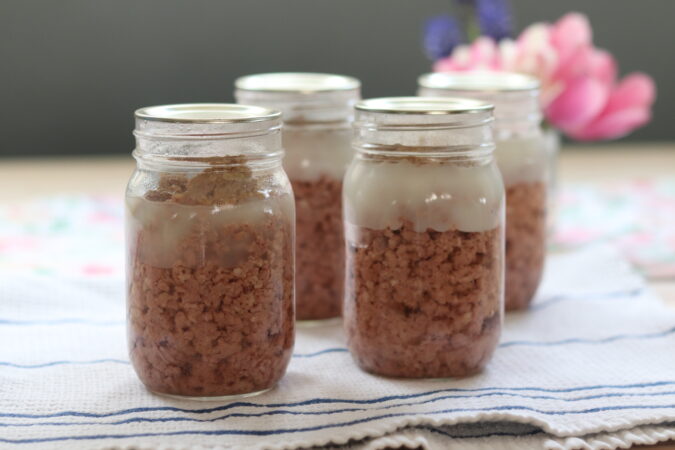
{"x":479,"y":81}
{"x":423,"y":105}
{"x":204,"y":113}
{"x":195,"y":133}
{"x":297,"y":82}
{"x":435,"y":126}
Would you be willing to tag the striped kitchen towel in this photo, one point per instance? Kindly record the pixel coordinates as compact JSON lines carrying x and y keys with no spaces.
{"x":590,"y":365}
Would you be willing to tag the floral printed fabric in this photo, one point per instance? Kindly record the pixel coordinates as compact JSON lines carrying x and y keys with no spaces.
{"x":66,"y":236}
{"x":638,"y":217}
{"x":83,"y":235}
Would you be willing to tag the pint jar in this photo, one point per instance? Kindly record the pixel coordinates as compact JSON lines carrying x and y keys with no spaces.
{"x":423,"y":212}
{"x":210,"y":229}
{"x":317,"y":114}
{"x":523,"y":159}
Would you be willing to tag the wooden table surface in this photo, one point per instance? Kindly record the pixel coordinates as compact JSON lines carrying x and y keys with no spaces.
{"x":25,"y":178}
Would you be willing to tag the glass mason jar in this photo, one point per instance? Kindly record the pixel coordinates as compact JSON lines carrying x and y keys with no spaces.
{"x":523,"y":159}
{"x":210,"y":229}
{"x":552,"y":142}
{"x":318,"y":112}
{"x":424,"y":212}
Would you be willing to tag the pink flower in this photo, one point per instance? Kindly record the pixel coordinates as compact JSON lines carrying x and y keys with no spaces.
{"x":481,"y":54}
{"x":581,"y":100}
{"x":591,"y":105}
{"x":571,"y":33}
{"x":535,"y":53}
{"x":579,"y":89}
{"x":627,"y":107}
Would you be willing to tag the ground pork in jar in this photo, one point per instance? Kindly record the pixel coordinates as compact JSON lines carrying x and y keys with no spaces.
{"x":525,"y":242}
{"x":423,"y":304}
{"x":318,"y":109}
{"x":210,"y":294}
{"x":315,"y":161}
{"x":319,"y":248}
{"x":523,"y":165}
{"x":423,"y":299}
{"x":523,"y":158}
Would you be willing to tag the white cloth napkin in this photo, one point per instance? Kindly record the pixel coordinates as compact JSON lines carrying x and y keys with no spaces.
{"x":590,"y":365}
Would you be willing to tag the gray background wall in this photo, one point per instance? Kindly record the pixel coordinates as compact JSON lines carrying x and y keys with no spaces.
{"x":73,"y":71}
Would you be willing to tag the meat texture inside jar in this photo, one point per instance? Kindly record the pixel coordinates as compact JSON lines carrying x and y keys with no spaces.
{"x":423,"y":304}
{"x":424,"y":266}
{"x":525,"y":242}
{"x":523,"y":162}
{"x":315,"y":160}
{"x":210,"y":284}
{"x":319,"y":248}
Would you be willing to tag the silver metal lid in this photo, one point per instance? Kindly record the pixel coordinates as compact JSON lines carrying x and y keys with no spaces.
{"x":205,"y":113}
{"x":423,"y":105}
{"x":479,"y":81}
{"x":297,"y":82}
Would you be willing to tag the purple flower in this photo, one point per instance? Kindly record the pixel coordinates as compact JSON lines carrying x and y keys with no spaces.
{"x":441,"y":35}
{"x":494,"y":18}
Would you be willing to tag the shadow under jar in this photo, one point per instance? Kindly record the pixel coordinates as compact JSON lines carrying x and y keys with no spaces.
{"x":424,"y":212}
{"x":523,"y":158}
{"x":318,"y":111}
{"x":210,"y":229}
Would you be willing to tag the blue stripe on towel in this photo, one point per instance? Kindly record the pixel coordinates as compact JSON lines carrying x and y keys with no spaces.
{"x":281,"y":431}
{"x":336,"y":411}
{"x":569,"y":341}
{"x":321,"y":352}
{"x":319,"y":401}
{"x":552,"y":300}
{"x":59,"y":363}
{"x":604,"y":340}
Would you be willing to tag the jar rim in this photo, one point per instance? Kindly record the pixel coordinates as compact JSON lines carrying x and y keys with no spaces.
{"x":423,"y":105}
{"x":296,"y":82}
{"x":479,"y":80}
{"x":206,"y":113}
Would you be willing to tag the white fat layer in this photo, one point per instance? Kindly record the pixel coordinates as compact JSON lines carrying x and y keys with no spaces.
{"x":311,"y":154}
{"x":166,"y":224}
{"x":445,"y":197}
{"x":522,"y":160}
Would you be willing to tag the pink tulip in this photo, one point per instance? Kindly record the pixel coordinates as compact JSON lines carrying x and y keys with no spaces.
{"x":579,"y":90}
{"x":579,"y":103}
{"x":569,"y":33}
{"x":627,"y":108}
{"x":536,"y":56}
{"x":535,"y":53}
{"x":587,"y":61}
{"x":602,"y":65}
{"x":481,"y":54}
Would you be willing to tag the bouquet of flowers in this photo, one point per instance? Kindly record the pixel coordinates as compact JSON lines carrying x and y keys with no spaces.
{"x":581,"y":94}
